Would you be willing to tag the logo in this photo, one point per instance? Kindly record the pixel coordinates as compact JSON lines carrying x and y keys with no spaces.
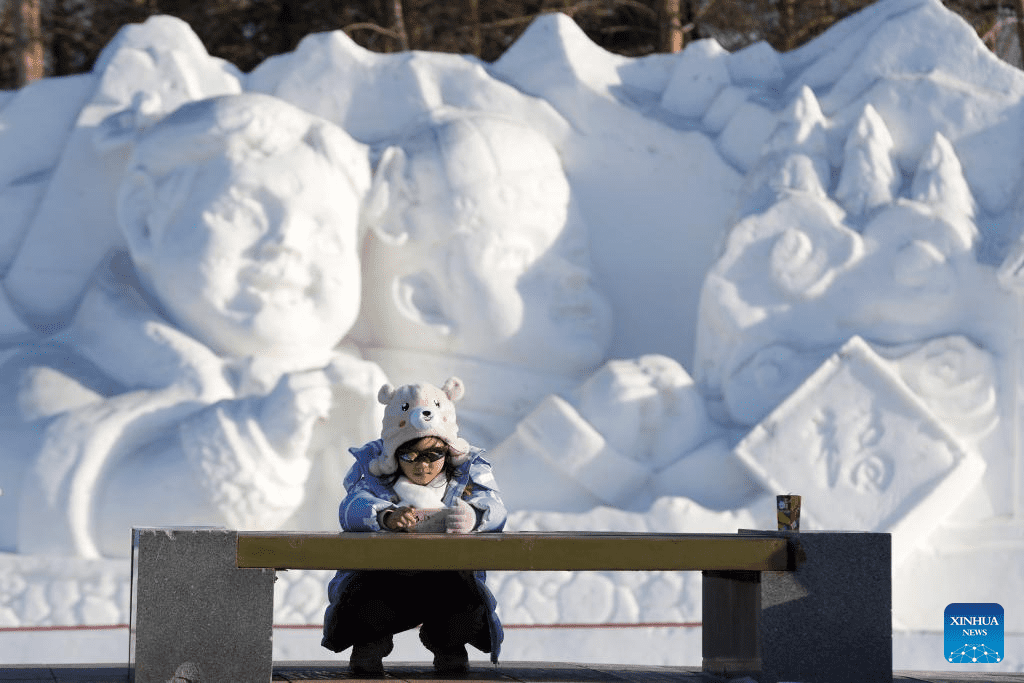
{"x":974,"y":633}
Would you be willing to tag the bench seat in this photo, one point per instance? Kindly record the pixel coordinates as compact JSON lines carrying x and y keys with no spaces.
{"x":814,"y":607}
{"x":525,"y":551}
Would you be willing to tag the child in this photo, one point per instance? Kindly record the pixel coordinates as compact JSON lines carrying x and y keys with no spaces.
{"x":418,"y":463}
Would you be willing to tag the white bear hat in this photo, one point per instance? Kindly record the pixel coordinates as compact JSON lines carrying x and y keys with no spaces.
{"x":416,"y":410}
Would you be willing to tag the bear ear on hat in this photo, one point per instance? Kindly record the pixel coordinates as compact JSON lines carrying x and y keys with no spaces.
{"x":454,"y":389}
{"x":386,"y":393}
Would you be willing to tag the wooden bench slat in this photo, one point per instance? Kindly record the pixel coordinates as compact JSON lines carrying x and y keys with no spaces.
{"x":520,"y":551}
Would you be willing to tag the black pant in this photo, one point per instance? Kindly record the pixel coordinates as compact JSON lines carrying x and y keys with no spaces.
{"x":378,"y":604}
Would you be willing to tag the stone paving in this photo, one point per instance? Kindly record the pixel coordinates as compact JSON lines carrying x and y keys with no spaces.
{"x":523,"y":672}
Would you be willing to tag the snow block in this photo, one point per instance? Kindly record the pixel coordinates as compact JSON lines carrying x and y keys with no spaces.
{"x":559,"y":435}
{"x":864,"y":451}
{"x":698,"y":77}
{"x":742,"y":140}
{"x":756,"y":64}
{"x":194,"y":613}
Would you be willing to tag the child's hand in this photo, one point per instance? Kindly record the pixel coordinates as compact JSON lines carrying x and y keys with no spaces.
{"x":400,"y":519}
{"x":461,"y":518}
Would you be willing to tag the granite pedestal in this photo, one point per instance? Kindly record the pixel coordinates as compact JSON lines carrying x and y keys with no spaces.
{"x":195,"y":616}
{"x":830,"y":621}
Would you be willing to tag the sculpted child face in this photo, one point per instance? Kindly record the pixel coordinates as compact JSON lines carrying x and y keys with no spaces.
{"x":252,"y":253}
{"x":521,"y":291}
{"x":489,"y":260}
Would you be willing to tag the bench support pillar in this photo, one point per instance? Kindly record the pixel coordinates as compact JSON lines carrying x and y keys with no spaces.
{"x":732,"y":610}
{"x":830,"y":621}
{"x":194,"y":612}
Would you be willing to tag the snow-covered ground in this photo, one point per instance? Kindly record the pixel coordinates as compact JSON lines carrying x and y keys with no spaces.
{"x":800,"y":273}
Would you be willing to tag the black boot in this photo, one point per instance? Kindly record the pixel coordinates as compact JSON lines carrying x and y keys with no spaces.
{"x":450,"y":655}
{"x":453,"y":660}
{"x":367,"y":658}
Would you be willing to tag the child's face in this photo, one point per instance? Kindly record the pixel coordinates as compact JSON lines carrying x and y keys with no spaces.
{"x":260,"y":258}
{"x":422,"y":471}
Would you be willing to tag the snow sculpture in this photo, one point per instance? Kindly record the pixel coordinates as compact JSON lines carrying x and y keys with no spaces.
{"x":794,"y":158}
{"x":940,"y":180}
{"x":857,"y":440}
{"x":699,"y":76}
{"x":148,"y":69}
{"x":779,"y":299}
{"x":870,"y":177}
{"x":924,"y":257}
{"x":187,"y":387}
{"x":1011,"y":279}
{"x":746,"y":133}
{"x":782,"y":266}
{"x":756,"y":64}
{"x":476,"y":264}
{"x":377,"y":96}
{"x":625,"y":426}
{"x":957,"y":380}
{"x":723,"y":108}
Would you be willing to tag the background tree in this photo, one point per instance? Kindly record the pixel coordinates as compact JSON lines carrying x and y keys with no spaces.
{"x":60,"y":37}
{"x":29,"y":35}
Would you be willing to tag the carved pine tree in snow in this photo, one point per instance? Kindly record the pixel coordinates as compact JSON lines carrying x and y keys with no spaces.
{"x":869,"y":178}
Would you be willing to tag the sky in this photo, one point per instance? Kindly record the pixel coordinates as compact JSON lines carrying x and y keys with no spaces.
{"x":814,"y":252}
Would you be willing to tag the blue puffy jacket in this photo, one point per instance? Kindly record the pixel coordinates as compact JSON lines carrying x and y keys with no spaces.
{"x":368,"y":495}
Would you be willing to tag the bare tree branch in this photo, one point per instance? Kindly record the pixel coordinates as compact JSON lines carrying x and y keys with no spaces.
{"x":367,"y":26}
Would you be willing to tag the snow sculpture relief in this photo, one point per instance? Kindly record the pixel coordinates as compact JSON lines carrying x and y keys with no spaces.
{"x":187,"y":386}
{"x":675,"y":285}
{"x":620,"y":432}
{"x":852,"y":433}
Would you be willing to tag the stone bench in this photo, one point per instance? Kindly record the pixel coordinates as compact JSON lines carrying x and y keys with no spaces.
{"x":778,"y":606}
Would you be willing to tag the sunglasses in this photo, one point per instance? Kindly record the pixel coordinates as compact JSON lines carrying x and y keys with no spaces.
{"x":425,"y":456}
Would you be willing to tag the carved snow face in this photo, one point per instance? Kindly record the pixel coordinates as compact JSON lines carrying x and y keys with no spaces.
{"x":255,"y":255}
{"x":491,"y":263}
